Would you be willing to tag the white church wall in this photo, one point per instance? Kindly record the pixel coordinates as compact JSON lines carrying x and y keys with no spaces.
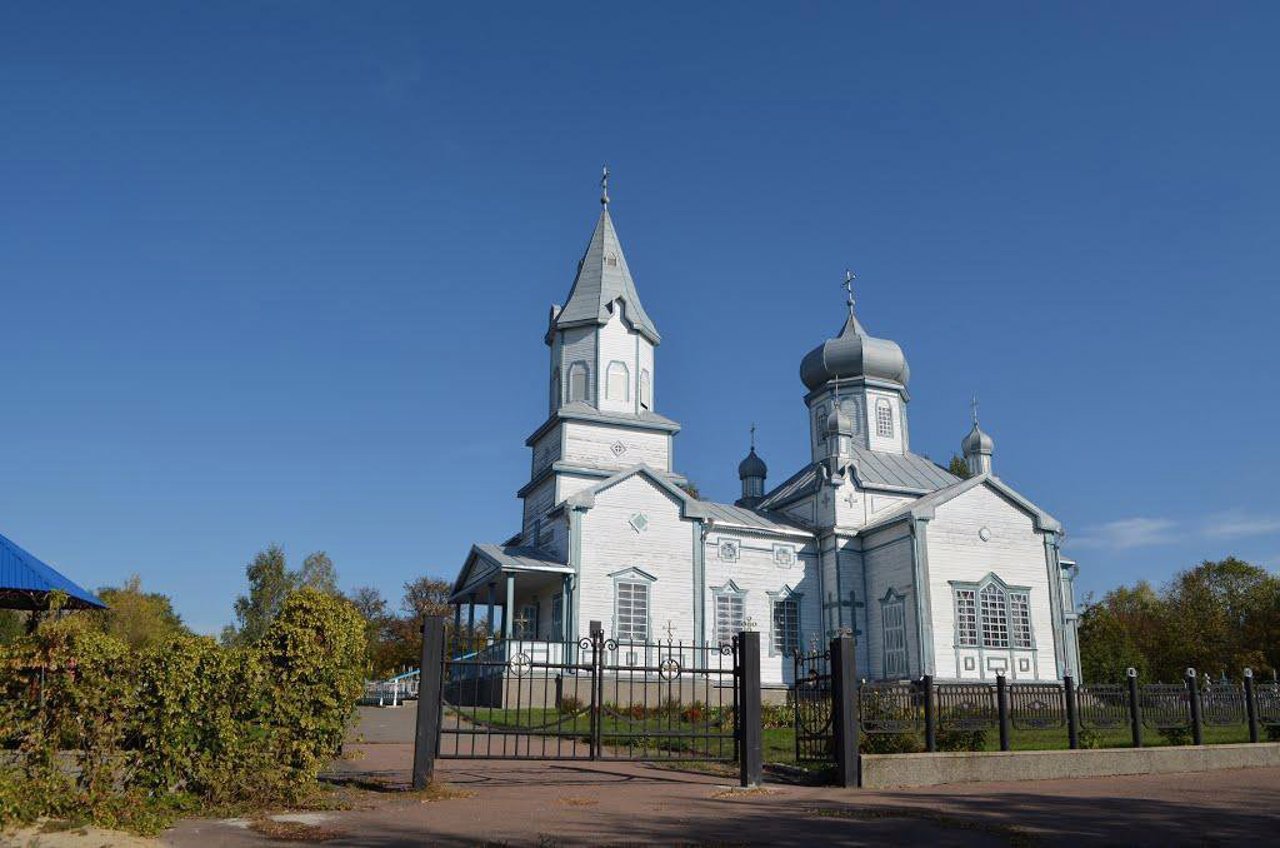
{"x":644,"y":353}
{"x":546,"y":450}
{"x":536,"y":504}
{"x":802,"y":511}
{"x":618,"y":345}
{"x":595,"y":445}
{"x":578,"y":344}
{"x":1014,"y":553}
{"x":763,"y":568}
{"x":889,"y":561}
{"x":569,"y":485}
{"x":874,"y":440}
{"x":664,"y":550}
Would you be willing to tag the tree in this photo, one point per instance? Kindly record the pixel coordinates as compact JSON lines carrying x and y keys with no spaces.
{"x":959,"y":467}
{"x":269,"y":583}
{"x":369,"y":602}
{"x":690,"y":488}
{"x":427,"y":596}
{"x":318,"y":573}
{"x":13,"y":624}
{"x":139,"y":619}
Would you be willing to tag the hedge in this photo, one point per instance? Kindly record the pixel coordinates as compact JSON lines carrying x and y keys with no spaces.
{"x":92,"y":730}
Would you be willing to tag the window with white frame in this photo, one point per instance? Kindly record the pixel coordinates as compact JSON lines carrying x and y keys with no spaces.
{"x":646,"y":389}
{"x":893,"y":619}
{"x":578,"y":382}
{"x":884,"y":418}
{"x":731,"y":615}
{"x":631,"y":611}
{"x":994,"y":606}
{"x":618,"y":381}
{"x":786,"y":626}
{"x":967,"y":618}
{"x":993,"y":615}
{"x":1020,"y":619}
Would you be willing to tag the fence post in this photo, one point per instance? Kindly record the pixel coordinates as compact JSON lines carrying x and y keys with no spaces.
{"x":1250,"y":705}
{"x":1073,"y":719}
{"x":750,"y":721}
{"x":1197,"y":725}
{"x":930,"y":720}
{"x":427,"y":737}
{"x":596,"y":629}
{"x":1135,"y":707}
{"x":844,"y":711}
{"x":1002,"y":708}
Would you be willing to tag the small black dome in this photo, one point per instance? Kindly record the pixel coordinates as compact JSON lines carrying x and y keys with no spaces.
{"x":752,"y":466}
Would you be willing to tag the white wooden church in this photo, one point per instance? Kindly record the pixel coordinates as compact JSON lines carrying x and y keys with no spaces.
{"x":933,"y":574}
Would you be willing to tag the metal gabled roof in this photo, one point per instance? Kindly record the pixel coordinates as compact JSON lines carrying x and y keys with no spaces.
{"x":602,"y":278}
{"x":739,"y":517}
{"x":26,"y":581}
{"x":908,"y":471}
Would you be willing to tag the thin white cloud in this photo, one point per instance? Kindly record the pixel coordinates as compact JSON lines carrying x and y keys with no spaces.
{"x":1128,"y":533}
{"x":1235,"y":525}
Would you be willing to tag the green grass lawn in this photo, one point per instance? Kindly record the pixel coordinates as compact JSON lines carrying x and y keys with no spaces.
{"x":668,"y":734}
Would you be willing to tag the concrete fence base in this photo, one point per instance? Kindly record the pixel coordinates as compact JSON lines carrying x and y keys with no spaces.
{"x":882,"y":771}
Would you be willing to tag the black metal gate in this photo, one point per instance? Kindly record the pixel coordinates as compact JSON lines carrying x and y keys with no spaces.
{"x":595,"y":699}
{"x":811,"y":699}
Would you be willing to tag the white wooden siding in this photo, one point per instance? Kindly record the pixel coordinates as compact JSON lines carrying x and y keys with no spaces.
{"x":875,"y":441}
{"x":664,"y":550}
{"x":618,"y":344}
{"x":591,"y":445}
{"x":889,"y":561}
{"x":1015,"y":554}
{"x":757,"y":575}
{"x":578,"y":344}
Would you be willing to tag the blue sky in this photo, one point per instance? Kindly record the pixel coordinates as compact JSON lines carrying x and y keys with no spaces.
{"x":280,"y":271}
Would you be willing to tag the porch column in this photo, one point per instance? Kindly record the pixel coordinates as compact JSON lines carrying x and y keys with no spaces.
{"x":509,"y":611}
{"x":471,"y":613}
{"x":493,"y":591}
{"x":457,"y":619}
{"x":566,"y":607}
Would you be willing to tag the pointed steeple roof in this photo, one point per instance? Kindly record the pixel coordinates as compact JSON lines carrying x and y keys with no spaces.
{"x":603,"y":278}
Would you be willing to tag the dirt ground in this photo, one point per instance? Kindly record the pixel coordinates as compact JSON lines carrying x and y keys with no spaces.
{"x":581,"y":803}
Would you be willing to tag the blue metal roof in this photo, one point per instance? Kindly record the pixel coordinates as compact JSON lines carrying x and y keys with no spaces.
{"x":25,"y":581}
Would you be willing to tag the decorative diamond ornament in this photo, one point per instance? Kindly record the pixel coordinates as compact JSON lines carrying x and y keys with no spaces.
{"x":639,"y":522}
{"x":618,"y":448}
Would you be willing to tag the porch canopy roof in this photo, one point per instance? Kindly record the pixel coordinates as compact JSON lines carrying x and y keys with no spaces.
{"x":486,"y":562}
{"x":26,"y":582}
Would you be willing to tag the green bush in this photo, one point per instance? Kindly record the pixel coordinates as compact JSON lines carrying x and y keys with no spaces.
{"x":955,"y":739}
{"x":131,"y":737}
{"x":1176,"y":735}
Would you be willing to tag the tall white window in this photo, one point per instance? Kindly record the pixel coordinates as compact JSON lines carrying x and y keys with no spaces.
{"x":884,"y":418}
{"x":646,"y":389}
{"x":1020,"y":619}
{"x":618,"y":382}
{"x":967,"y":618}
{"x":894,"y":621}
{"x":631,"y":611}
{"x":731,"y":616}
{"x":578,"y":382}
{"x":995,"y":617}
{"x":786,"y":626}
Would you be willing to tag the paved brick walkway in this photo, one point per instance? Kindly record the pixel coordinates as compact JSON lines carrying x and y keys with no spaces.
{"x":530,"y":803}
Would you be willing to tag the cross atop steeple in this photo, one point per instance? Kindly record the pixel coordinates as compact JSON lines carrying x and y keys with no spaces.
{"x":753,"y":435}
{"x":974,"y":405}
{"x":604,"y":187}
{"x":849,"y":277}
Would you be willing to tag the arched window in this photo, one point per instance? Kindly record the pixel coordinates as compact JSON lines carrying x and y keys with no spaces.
{"x":578,"y":382}
{"x":893,"y":620}
{"x":884,"y":418}
{"x":618,"y":383}
{"x":646,"y":390}
{"x":992,"y":615}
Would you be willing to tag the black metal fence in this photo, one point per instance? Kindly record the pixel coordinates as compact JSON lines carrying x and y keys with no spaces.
{"x":924,"y":714}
